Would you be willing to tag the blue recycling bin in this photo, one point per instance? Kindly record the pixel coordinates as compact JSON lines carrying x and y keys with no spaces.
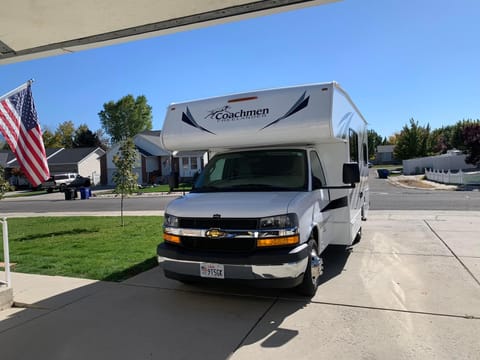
{"x":84,"y":193}
{"x":383,"y":173}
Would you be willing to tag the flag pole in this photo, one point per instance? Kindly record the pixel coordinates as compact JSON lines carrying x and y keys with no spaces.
{"x":20,"y":88}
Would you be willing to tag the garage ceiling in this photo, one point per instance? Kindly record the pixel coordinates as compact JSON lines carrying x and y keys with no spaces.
{"x":37,"y":28}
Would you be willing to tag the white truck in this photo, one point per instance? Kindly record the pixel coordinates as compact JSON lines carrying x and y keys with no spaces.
{"x":286,"y":177}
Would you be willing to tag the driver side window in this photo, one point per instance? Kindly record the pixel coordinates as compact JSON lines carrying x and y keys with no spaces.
{"x":318,"y":176}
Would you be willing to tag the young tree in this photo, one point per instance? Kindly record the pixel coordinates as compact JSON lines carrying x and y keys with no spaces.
{"x":471,"y":135}
{"x":124,"y":178}
{"x":126,"y":117}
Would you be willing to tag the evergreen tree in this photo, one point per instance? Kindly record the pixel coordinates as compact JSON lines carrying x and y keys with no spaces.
{"x":412,"y":141}
{"x":374,"y":139}
{"x":471,"y":135}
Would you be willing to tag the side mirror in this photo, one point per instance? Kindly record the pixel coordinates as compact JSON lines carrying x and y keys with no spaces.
{"x":351,"y":173}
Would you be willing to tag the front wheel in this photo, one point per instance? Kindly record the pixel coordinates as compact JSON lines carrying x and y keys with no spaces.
{"x":309,"y":285}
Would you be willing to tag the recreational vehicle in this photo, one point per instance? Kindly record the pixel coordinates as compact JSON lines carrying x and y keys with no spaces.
{"x":286,"y":177}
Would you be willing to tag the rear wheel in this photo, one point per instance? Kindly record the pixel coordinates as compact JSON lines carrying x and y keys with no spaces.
{"x":358,"y":237}
{"x":312,"y":274}
{"x":62,"y":187}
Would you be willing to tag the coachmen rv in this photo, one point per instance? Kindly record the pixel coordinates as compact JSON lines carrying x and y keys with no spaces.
{"x":286,"y":177}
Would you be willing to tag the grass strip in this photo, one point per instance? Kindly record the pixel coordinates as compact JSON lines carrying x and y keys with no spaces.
{"x":86,"y":247}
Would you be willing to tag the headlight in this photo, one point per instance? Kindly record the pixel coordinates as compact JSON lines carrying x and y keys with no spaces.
{"x":170,"y":221}
{"x":287,"y":221}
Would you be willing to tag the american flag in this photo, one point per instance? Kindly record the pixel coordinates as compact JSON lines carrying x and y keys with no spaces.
{"x":20,"y":128}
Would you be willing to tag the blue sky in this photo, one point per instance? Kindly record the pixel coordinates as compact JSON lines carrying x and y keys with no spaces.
{"x":397,"y":59}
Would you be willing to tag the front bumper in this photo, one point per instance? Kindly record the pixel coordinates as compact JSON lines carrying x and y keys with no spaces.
{"x":268,"y":268}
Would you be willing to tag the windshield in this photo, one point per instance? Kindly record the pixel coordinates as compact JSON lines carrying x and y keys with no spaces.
{"x":260,"y":170}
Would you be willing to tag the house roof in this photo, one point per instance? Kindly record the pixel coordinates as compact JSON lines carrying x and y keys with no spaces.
{"x":149,"y":143}
{"x":385,"y":148}
{"x":72,"y":156}
{"x":5,"y":157}
{"x":65,"y":156}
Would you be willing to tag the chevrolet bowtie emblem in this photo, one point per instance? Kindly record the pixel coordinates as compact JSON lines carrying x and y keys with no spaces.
{"x":215,"y":234}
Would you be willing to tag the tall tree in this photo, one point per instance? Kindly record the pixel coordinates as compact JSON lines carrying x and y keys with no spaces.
{"x":84,"y":137}
{"x":65,"y":132}
{"x":124,"y":177}
{"x":412,"y":141}
{"x":392,"y":139}
{"x":51,"y":140}
{"x":126,"y":117}
{"x":104,"y":140}
{"x":471,"y":135}
{"x":374,"y":139}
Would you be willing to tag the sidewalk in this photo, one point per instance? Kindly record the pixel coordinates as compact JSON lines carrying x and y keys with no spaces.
{"x":409,"y":289}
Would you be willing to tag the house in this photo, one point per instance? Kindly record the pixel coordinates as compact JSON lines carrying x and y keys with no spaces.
{"x":155,"y":164}
{"x":384,"y":155}
{"x":153,"y":161}
{"x":83,"y":161}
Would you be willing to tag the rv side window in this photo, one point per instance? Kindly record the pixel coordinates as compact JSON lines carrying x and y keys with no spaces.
{"x":365,"y":154}
{"x":353,"y":140}
{"x":318,"y":177}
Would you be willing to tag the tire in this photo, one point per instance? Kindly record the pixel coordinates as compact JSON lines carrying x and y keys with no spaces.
{"x":49,"y":190}
{"x":62,"y":187}
{"x":311,"y":277}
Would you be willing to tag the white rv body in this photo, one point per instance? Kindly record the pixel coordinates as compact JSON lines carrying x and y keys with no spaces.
{"x":302,"y":121}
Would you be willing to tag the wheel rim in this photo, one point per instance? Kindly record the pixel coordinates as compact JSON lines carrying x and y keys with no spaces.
{"x":316,"y":266}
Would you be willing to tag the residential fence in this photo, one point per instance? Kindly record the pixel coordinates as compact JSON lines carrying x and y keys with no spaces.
{"x":449,"y":177}
{"x":6,"y":253}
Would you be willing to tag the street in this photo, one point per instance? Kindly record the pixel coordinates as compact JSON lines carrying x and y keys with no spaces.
{"x":383,"y":196}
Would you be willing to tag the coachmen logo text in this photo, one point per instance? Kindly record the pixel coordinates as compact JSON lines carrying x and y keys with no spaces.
{"x":225,"y":114}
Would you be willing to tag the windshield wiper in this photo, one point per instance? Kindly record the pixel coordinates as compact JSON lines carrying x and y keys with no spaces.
{"x":205,"y":189}
{"x":258,"y":187}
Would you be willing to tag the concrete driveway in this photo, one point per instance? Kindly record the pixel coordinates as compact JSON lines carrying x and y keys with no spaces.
{"x":409,"y":290}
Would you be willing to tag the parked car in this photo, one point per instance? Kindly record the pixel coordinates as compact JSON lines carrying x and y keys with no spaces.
{"x":59,"y":182}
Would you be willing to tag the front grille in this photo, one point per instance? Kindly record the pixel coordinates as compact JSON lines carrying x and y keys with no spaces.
{"x":225,"y":244}
{"x":218,"y":223}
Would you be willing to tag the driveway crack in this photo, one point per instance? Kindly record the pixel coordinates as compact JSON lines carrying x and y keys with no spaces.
{"x":453,"y":253}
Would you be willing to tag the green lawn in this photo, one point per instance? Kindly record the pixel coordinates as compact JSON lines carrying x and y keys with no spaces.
{"x":164,"y":188}
{"x":86,"y":247}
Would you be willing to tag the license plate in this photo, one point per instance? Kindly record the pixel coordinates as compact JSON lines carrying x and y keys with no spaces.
{"x":215,"y":271}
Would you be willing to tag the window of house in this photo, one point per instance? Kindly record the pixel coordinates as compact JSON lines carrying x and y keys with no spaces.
{"x":185,"y":163}
{"x":193,"y":163}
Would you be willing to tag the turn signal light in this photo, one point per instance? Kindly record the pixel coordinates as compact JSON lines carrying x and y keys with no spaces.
{"x":171,"y":238}
{"x":281,"y":241}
